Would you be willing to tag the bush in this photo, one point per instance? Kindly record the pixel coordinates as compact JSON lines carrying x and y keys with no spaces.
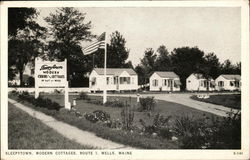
{"x":91,"y":117}
{"x":83,"y":96}
{"x":147,"y":104}
{"x":160,"y":126}
{"x":218,"y":134}
{"x":39,"y":102}
{"x":101,"y":115}
{"x":115,"y":103}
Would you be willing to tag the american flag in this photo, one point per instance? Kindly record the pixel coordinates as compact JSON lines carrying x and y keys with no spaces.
{"x":100,"y":43}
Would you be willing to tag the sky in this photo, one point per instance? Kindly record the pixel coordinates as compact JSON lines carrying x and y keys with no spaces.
{"x":211,"y":29}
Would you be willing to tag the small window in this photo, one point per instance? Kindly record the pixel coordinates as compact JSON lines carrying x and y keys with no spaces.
{"x":155,"y":82}
{"x":220,"y":83}
{"x":231,"y":83}
{"x":164,"y":82}
{"x":108,"y":80}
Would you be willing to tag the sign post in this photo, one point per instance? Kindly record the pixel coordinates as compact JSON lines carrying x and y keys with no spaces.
{"x":51,"y":74}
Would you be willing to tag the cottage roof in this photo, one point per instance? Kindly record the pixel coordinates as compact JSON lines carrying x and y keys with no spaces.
{"x":115,"y":71}
{"x":231,"y":76}
{"x":167,"y":74}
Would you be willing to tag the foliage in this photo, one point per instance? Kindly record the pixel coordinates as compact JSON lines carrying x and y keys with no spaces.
{"x":127,"y":116}
{"x":160,"y":126}
{"x":68,"y":28}
{"x":91,"y":117}
{"x":83,"y":96}
{"x":19,"y":18}
{"x":115,"y":103}
{"x":147,"y":104}
{"x":117,"y":53}
{"x":183,"y":61}
{"x":39,"y":102}
{"x":163,"y":62}
{"x":24,"y":42}
{"x":218,"y":134}
{"x":102,"y":115}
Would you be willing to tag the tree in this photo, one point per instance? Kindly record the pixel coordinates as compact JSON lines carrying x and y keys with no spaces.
{"x":211,"y":66}
{"x":117,"y":53}
{"x":186,"y":61}
{"x":146,"y":67}
{"x":24,"y":40}
{"x":68,"y":29}
{"x":19,"y":18}
{"x":227,"y":67}
{"x":163,"y":61}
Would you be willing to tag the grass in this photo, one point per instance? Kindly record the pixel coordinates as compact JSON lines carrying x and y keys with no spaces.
{"x":163,"y":108}
{"x":230,"y":101}
{"x":119,"y":136}
{"x":26,"y":132}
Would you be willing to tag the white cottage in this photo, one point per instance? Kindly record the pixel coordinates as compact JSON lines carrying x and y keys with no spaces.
{"x":228,"y":82}
{"x":164,"y":81}
{"x":118,"y":79}
{"x":197,"y":82}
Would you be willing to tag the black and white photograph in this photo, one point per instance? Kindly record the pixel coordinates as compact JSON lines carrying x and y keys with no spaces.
{"x":125,"y":80}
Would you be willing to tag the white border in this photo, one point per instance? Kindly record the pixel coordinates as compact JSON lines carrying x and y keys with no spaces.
{"x":137,"y":154}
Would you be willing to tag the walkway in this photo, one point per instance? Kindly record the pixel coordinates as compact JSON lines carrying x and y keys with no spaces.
{"x":184,"y":99}
{"x":71,"y":132}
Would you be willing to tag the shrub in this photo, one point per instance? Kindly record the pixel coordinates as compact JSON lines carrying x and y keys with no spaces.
{"x":159,"y":126}
{"x":83,"y":96}
{"x":115,"y":103}
{"x":127,"y":115}
{"x":147,"y":104}
{"x":101,"y":115}
{"x":91,"y":117}
{"x":218,"y":134}
{"x":39,"y":102}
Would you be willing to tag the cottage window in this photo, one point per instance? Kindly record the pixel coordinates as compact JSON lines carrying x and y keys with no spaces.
{"x":237,"y":84}
{"x":201,"y":83}
{"x":169,"y":82}
{"x":221,"y":84}
{"x":155,"y":82}
{"x":108,"y":80}
{"x":124,"y":80}
{"x":164,"y":82}
{"x":93,"y":81}
{"x":231,"y":83}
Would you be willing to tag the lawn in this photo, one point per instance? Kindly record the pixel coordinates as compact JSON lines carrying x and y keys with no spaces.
{"x":182,"y":131}
{"x":26,"y":132}
{"x":163,"y":108}
{"x":230,"y":100}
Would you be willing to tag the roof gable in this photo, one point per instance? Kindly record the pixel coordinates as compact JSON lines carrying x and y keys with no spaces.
{"x":115,"y":71}
{"x":167,"y":74}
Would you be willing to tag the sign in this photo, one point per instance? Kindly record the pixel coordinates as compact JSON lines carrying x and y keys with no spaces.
{"x":50,"y":73}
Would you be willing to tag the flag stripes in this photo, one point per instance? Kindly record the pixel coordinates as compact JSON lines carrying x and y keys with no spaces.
{"x":96,"y":45}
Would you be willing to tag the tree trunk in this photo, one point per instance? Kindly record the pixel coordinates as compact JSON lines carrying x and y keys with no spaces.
{"x":21,"y":77}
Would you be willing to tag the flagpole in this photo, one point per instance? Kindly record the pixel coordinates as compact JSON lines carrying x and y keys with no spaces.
{"x":105,"y":72}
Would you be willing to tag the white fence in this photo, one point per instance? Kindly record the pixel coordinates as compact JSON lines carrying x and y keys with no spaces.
{"x":48,"y":90}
